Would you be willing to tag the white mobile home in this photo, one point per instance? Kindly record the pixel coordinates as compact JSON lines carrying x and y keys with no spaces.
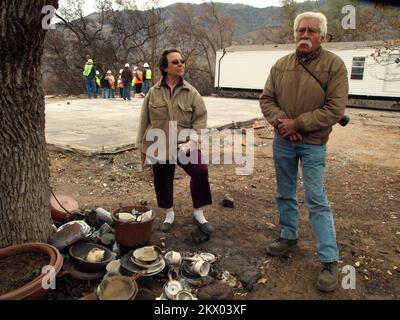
{"x":247,"y":67}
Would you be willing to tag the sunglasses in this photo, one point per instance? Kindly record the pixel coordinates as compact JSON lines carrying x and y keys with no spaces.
{"x":178,"y":61}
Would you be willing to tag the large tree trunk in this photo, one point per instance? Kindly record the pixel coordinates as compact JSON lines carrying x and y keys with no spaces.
{"x":24,"y":173}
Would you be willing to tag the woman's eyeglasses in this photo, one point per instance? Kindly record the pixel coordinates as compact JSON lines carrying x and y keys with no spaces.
{"x":178,"y":61}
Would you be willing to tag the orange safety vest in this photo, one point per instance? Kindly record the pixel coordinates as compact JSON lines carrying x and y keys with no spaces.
{"x":111,"y":80}
{"x":120,"y":83}
{"x":138,"y":77}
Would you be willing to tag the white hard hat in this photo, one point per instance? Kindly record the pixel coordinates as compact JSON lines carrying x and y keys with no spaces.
{"x":146,"y":65}
{"x":109,"y":71}
{"x":135,"y":68}
{"x":127,"y":65}
{"x":97,"y":72}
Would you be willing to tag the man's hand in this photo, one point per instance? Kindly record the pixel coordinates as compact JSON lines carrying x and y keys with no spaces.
{"x":286,"y":128}
{"x":297,"y":137}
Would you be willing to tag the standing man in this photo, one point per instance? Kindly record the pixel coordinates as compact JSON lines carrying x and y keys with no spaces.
{"x":305,"y":95}
{"x":105,"y":86}
{"x":147,"y":75}
{"x":89,"y":74}
{"x":127,"y":77}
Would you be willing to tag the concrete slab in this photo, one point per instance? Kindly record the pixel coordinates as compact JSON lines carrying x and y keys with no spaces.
{"x":99,"y":125}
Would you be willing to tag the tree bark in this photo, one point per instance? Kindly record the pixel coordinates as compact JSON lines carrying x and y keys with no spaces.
{"x":24,"y":172}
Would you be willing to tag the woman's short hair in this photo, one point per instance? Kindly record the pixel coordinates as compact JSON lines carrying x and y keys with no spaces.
{"x":323,"y":22}
{"x":163,"y":63}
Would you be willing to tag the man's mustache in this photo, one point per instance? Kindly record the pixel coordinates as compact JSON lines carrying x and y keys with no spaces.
{"x":306,"y":42}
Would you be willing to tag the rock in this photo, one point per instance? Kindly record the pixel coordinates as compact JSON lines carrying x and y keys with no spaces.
{"x":228,"y":201}
{"x":249,"y":278}
{"x":241,"y":268}
{"x":215,"y":291}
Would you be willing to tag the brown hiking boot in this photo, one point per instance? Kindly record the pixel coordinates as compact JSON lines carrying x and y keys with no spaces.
{"x":280,"y":247}
{"x":328,"y":277}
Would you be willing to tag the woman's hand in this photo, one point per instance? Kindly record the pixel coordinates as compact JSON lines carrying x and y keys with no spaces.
{"x":142,"y":157}
{"x":188,"y":146}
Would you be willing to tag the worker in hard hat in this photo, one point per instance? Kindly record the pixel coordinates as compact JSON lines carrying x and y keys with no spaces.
{"x":89,"y":74}
{"x":120,"y":84}
{"x":111,"y":80}
{"x":127,"y":77}
{"x":138,"y":79}
{"x":98,"y":83}
{"x":147,"y":76}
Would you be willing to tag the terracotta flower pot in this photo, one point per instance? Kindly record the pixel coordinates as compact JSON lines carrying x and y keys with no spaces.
{"x":32,"y":290}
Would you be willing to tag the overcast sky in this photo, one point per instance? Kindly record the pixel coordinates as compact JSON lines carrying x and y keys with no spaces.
{"x":90,"y":4}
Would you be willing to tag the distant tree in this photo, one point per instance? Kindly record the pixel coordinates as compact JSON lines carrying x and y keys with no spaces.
{"x":282,"y":34}
{"x":200,"y":35}
{"x":388,"y":56}
{"x":290,"y":9}
{"x":24,"y":170}
{"x":373,"y":21}
{"x":116,"y":34}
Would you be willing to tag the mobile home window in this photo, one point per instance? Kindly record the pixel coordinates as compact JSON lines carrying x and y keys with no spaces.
{"x":357,"y":69}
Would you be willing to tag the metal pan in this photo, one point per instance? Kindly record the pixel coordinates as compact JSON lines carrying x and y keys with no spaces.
{"x":118,"y":288}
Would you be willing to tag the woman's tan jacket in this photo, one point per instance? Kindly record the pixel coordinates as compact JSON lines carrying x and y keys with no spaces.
{"x":165,"y":115}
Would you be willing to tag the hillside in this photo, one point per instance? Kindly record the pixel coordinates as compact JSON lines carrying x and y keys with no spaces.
{"x":250,"y":20}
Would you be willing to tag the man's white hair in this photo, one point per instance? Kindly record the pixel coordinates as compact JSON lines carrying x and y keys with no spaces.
{"x":323,"y":22}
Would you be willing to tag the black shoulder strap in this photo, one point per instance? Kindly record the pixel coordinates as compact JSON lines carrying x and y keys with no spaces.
{"x":323,"y":86}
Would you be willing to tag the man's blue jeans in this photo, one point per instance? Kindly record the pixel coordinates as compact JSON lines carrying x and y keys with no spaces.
{"x":105,"y":93}
{"x":127,"y":91}
{"x":146,"y":86}
{"x":286,"y":157}
{"x":90,"y":84}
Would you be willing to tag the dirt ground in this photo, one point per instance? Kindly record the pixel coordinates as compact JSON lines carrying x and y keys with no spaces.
{"x":362,"y":183}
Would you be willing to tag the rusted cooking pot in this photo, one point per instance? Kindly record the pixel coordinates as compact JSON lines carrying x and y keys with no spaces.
{"x":133,"y":234}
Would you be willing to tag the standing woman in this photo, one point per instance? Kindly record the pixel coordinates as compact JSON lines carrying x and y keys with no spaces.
{"x":174,"y":101}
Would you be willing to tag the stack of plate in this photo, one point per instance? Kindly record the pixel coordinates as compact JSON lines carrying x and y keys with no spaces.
{"x":135,"y":262}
